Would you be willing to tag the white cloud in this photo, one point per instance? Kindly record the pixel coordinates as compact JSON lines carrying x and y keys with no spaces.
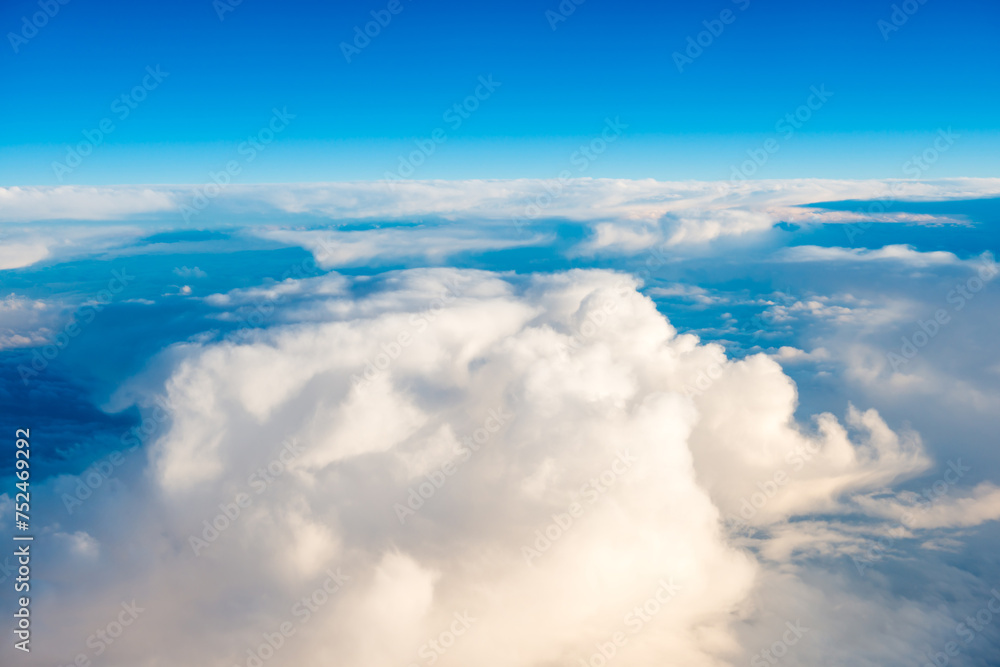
{"x":624,"y":216}
{"x":75,"y":202}
{"x":689,"y":292}
{"x":578,"y":451}
{"x":327,"y":285}
{"x":189,"y":272}
{"x":898,"y":253}
{"x":333,"y":249}
{"x":26,"y":245}
{"x":26,"y":322}
{"x":17,"y":255}
{"x":978,"y":506}
{"x":791,"y":355}
{"x":589,"y":199}
{"x":584,"y":199}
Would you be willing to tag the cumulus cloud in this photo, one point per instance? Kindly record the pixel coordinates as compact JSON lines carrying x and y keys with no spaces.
{"x":486,"y":469}
{"x":25,"y":322}
{"x":899,"y":253}
{"x":189,"y":272}
{"x":330,"y":284}
{"x":841,"y":309}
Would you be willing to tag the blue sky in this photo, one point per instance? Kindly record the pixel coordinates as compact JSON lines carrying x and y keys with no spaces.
{"x":557,"y":86}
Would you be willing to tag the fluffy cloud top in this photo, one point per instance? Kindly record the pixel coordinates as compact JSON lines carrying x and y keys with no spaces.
{"x":482,"y":470}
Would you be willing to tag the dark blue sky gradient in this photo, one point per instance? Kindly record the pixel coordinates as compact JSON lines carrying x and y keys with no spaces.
{"x":939,"y":69}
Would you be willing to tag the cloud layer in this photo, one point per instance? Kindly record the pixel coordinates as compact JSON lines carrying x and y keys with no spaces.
{"x":464,"y":467}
